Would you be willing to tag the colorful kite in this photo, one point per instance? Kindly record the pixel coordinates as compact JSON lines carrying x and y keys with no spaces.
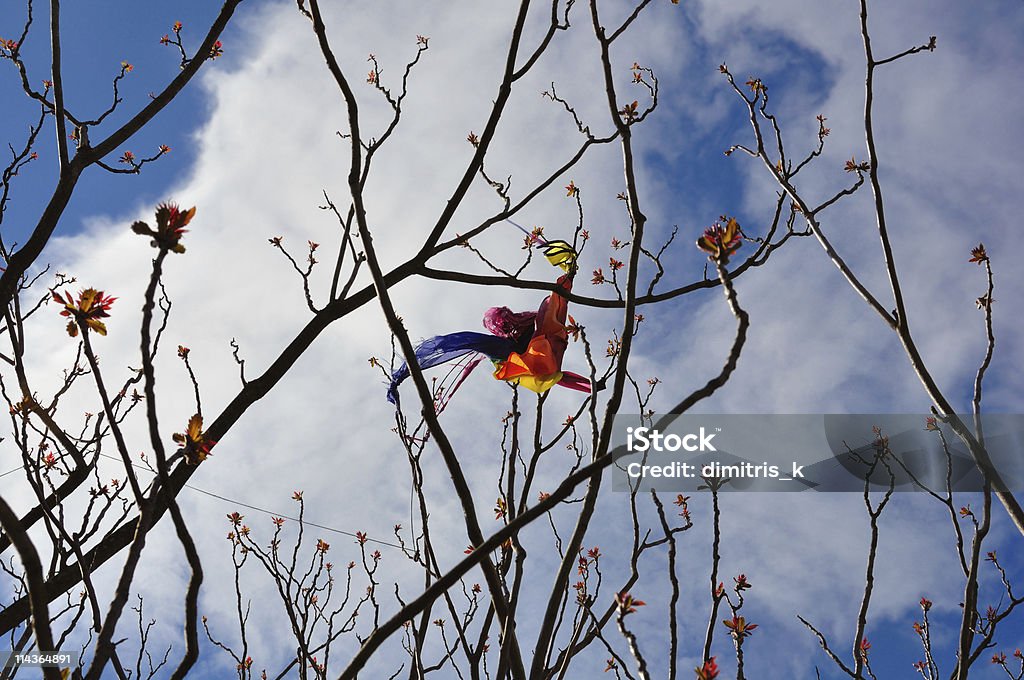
{"x":525,"y":347}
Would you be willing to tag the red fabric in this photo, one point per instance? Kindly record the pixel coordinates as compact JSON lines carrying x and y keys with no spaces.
{"x":543,"y":356}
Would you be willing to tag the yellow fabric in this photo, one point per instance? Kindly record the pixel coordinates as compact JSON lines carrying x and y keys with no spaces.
{"x":538,"y":384}
{"x":560,"y":254}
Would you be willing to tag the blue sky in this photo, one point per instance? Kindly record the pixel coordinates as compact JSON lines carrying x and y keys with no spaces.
{"x":132,"y":34}
{"x":254,"y":145}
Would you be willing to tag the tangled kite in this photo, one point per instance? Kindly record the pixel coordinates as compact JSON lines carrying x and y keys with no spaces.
{"x":525,"y":347}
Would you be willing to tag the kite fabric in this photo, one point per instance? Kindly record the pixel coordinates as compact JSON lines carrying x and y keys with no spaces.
{"x":444,"y":348}
{"x":525,"y":347}
{"x":539,"y":367}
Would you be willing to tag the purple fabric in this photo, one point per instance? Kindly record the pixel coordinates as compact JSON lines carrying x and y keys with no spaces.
{"x":505,"y":323}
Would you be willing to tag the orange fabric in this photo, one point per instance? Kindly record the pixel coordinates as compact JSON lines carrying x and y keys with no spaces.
{"x":540,"y":366}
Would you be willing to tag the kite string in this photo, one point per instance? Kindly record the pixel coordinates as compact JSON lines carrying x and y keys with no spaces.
{"x":243,"y":504}
{"x":530,"y":234}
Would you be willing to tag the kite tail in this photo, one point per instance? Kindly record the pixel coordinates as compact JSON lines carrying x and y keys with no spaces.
{"x":442,"y":348}
{"x":574,"y":381}
{"x":473,"y":362}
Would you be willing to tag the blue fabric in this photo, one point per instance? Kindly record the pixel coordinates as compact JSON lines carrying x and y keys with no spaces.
{"x":443,"y":348}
